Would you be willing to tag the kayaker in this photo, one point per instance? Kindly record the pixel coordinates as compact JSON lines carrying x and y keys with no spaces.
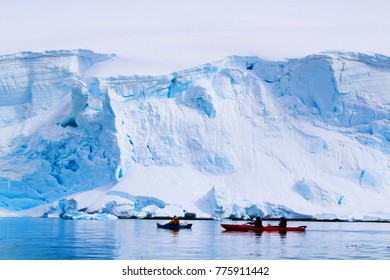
{"x":283,"y":222}
{"x":174,"y":221}
{"x":257,"y":223}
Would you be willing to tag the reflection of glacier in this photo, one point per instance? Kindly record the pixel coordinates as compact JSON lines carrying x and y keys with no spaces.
{"x":239,"y":137}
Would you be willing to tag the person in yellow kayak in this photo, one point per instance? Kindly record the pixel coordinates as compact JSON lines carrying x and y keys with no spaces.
{"x":174,"y":221}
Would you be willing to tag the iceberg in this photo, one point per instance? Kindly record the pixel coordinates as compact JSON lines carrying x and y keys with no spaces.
{"x":239,"y":137}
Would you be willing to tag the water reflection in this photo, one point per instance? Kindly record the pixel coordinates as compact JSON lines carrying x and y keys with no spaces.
{"x":258,"y":235}
{"x":141,"y":239}
{"x":282,"y":234}
{"x":41,"y":239}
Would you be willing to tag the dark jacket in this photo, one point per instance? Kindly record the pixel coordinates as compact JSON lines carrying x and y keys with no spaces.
{"x":283,"y":222}
{"x":257,"y":223}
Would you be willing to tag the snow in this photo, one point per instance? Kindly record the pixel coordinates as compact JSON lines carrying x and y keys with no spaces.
{"x":232,"y":110}
{"x":154,"y":37}
{"x":238,"y":137}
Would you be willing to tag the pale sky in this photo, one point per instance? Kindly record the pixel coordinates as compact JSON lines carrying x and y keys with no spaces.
{"x":159,"y":36}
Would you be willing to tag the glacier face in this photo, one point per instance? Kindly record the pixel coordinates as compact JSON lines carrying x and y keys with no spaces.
{"x":41,"y":159}
{"x":238,"y":137}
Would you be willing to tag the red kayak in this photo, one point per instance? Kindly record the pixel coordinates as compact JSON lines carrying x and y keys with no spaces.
{"x":246,"y":227}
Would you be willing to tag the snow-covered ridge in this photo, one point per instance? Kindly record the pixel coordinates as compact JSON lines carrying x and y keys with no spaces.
{"x":31,"y":82}
{"x":238,"y":137}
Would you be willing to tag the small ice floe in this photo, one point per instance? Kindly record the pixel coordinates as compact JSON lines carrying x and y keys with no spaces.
{"x":76,"y":215}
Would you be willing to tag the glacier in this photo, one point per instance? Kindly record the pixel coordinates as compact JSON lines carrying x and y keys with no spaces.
{"x":235,"y":138}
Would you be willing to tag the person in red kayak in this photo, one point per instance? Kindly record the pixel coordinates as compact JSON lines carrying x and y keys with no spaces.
{"x":257,"y":223}
{"x":174,"y":221}
{"x":283,"y":222}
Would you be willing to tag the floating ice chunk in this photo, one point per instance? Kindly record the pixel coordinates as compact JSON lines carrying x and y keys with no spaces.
{"x":154,"y":211}
{"x":76,"y":215}
{"x":238,"y":212}
{"x":123,"y":210}
{"x":275,"y":210}
{"x":139,"y":202}
{"x":254,"y":211}
{"x":216,"y":202}
{"x":67,"y":205}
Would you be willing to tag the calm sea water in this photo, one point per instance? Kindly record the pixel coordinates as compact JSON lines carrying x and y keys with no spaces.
{"x":47,"y":239}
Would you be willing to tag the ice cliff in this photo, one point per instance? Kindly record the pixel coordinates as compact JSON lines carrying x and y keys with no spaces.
{"x":238,"y":137}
